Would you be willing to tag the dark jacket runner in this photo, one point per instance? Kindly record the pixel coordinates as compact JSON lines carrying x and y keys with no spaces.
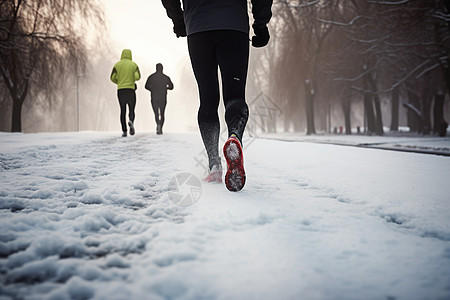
{"x":158,"y":84}
{"x":206,"y":15}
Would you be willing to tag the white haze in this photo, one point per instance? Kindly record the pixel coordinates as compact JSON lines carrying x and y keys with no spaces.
{"x":144,"y":27}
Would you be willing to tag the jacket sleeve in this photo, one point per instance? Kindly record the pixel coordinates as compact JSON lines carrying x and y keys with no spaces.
{"x":113,"y":75}
{"x":148,"y":84}
{"x":173,"y":9}
{"x":169,"y":83}
{"x":137,"y":74}
{"x":262,"y":12}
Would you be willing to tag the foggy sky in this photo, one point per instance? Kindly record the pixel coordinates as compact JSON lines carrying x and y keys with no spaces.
{"x":143,"y":27}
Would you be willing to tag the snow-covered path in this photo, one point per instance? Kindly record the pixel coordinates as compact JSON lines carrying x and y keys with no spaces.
{"x":90,"y":216}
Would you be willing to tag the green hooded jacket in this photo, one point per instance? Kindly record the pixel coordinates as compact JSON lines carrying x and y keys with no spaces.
{"x":125,"y":72}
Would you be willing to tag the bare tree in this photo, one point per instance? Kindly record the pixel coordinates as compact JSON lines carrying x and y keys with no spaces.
{"x":41,"y":41}
{"x":399,"y":41}
{"x":374,"y":51}
{"x":312,"y":37}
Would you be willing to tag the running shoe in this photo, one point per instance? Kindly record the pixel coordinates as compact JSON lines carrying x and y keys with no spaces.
{"x":215,"y":174}
{"x":235,"y":176}
{"x":131,"y":127}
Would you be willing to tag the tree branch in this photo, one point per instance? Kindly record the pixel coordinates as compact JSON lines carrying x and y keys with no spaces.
{"x":389,"y":2}
{"x":340,"y":23}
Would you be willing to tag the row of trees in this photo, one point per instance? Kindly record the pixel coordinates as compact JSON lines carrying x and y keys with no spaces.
{"x":337,"y":52}
{"x":324,"y":56}
{"x":43,"y":46}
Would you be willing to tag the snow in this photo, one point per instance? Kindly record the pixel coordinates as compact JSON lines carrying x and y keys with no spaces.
{"x":91,"y":215}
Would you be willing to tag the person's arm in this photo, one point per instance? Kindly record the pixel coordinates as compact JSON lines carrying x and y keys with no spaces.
{"x":148,"y":84}
{"x":113,"y":76}
{"x":174,"y":12}
{"x":137,"y":74}
{"x":169,"y":83}
{"x":262,"y":13}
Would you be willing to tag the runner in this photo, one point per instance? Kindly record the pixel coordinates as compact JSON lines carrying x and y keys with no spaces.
{"x":217,"y":36}
{"x":125,"y":74}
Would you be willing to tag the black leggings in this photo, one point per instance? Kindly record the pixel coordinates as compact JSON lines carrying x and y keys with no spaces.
{"x":158,"y":108}
{"x":126,"y":97}
{"x":227,"y":50}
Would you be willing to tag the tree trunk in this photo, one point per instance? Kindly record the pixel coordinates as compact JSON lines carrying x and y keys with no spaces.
{"x":370,"y":115}
{"x":438,"y":112}
{"x":18,"y":99}
{"x":286,"y":123}
{"x":346,"y":107}
{"x":446,"y":73}
{"x":379,"y":119}
{"x":273,"y":124}
{"x":18,"y":91}
{"x":368,"y":108}
{"x":309,"y":105}
{"x":426,"y":111}
{"x":262,"y":123}
{"x":394,"y":110}
{"x":414,"y":120}
{"x":376,"y":102}
{"x":16,"y":125}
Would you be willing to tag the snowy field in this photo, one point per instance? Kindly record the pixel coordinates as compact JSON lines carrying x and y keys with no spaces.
{"x":95,"y":216}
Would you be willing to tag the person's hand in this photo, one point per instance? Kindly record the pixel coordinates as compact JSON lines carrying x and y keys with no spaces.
{"x":261,"y":37}
{"x":179,"y":28}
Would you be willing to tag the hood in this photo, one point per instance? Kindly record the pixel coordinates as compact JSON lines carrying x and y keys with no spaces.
{"x":126,"y":53}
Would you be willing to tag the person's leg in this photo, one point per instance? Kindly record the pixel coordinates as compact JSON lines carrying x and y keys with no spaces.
{"x":155,"y":111}
{"x":232,"y":56}
{"x":130,"y":99}
{"x":162,"y":109}
{"x":131,"y":104}
{"x":202,"y":52}
{"x":123,"y":108}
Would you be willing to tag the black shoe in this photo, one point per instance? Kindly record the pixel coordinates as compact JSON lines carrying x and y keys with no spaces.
{"x":159,"y":129}
{"x":124,"y":134}
{"x":131,"y":127}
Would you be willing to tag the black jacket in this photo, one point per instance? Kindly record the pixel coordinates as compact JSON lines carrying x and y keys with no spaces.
{"x":206,"y":15}
{"x":158,"y":84}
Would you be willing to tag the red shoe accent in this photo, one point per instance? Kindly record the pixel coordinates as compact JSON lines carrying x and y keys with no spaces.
{"x":214,"y":176}
{"x":235,"y":176}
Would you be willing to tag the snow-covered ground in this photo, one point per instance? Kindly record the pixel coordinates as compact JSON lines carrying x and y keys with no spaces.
{"x":92,"y":215}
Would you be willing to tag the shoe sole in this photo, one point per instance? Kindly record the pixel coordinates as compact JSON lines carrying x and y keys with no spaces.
{"x":235,"y":176}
